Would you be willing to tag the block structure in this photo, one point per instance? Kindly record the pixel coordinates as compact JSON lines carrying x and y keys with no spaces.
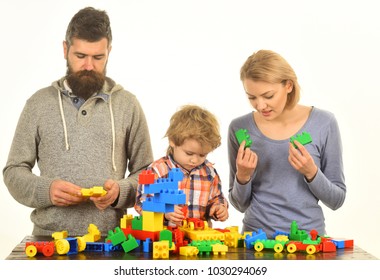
{"x":162,"y":195}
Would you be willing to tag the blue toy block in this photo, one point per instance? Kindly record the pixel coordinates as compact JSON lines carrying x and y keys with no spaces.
{"x":165,"y":192}
{"x":250,"y":239}
{"x":176,"y":175}
{"x":73,"y":242}
{"x":150,"y":205}
{"x":159,"y":185}
{"x":108,"y":247}
{"x":338,"y":243}
{"x":167,"y":183}
{"x":147,"y":245}
{"x":170,"y":197}
{"x":153,"y":188}
{"x":95,"y":246}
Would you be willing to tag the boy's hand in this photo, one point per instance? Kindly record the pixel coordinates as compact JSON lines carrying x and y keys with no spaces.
{"x":219,"y":212}
{"x":175,"y":217}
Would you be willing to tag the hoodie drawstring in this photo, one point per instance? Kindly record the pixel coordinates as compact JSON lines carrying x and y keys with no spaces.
{"x":63,"y":120}
{"x":113,"y":134}
{"x":112,"y":127}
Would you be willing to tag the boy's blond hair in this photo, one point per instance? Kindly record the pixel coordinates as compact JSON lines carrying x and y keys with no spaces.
{"x":193,"y":122}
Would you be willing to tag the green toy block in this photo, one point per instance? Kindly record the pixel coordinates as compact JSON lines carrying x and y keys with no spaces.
{"x":241,"y":135}
{"x":116,"y":236}
{"x":137,"y":222}
{"x":303,"y":138}
{"x":297,"y":234}
{"x":129,"y":244}
{"x":166,"y":235}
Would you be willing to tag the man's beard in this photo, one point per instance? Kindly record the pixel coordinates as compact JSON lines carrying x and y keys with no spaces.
{"x":85,"y":83}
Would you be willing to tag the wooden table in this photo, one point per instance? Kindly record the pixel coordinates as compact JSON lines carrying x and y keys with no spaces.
{"x":354,"y":253}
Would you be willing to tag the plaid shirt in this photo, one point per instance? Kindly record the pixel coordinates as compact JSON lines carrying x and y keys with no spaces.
{"x":202,"y":186}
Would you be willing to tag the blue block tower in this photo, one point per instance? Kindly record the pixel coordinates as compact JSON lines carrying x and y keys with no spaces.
{"x":164,"y":194}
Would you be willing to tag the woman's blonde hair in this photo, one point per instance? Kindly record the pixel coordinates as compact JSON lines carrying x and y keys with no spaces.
{"x":193,"y":122}
{"x":270,"y":67}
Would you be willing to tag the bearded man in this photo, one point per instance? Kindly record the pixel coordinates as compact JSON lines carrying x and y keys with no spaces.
{"x":84,"y":130}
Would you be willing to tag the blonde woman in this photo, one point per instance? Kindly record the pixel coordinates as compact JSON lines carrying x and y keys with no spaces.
{"x":273,"y":182}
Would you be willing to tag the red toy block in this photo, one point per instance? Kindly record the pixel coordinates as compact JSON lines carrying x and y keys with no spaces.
{"x":142,"y":234}
{"x":44,"y":247}
{"x":146,"y":177}
{"x":348,"y":243}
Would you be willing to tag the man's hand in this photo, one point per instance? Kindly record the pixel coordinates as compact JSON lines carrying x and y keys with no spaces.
{"x":63,"y":193}
{"x":113,"y":190}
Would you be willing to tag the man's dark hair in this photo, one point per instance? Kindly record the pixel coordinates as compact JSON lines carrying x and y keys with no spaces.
{"x":89,"y":24}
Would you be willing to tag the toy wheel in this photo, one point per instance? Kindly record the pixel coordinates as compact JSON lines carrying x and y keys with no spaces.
{"x":184,"y":223}
{"x":291,"y":248}
{"x":48,"y":250}
{"x":81,"y":244}
{"x":62,"y":246}
{"x":259,"y":246}
{"x":278,"y":248}
{"x":311,"y":249}
{"x":31,"y":251}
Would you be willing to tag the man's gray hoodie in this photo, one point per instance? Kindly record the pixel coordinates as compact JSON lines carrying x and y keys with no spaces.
{"x":84,"y":143}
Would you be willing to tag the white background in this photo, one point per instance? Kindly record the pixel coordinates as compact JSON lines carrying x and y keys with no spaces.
{"x":170,"y":53}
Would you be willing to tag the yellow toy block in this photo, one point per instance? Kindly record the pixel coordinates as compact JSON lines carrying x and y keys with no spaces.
{"x":93,"y":230}
{"x":93,"y":234}
{"x":188,"y":251}
{"x":98,"y":191}
{"x":161,"y":249}
{"x":282,"y":237}
{"x":89,"y":237}
{"x":94,"y":191}
{"x":59,"y":235}
{"x":233,"y":228}
{"x":152,"y":221}
{"x":126,"y":221}
{"x":81,"y":243}
{"x":219,"y":249}
{"x":231,"y":238}
{"x":208,"y":234}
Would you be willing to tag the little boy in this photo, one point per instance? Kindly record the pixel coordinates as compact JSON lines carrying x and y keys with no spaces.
{"x":193,"y":133}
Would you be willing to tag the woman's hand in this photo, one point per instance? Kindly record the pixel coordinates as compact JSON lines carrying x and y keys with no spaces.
{"x":246,"y":162}
{"x":301,"y":160}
